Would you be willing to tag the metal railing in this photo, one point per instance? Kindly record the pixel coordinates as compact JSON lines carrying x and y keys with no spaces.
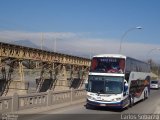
{"x":21,"y":102}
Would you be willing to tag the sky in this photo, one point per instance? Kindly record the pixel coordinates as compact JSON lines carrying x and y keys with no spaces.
{"x":85,"y":27}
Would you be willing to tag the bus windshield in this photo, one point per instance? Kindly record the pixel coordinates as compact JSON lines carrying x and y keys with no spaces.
{"x":105,"y":84}
{"x":107,"y":65}
{"x":154,"y":82}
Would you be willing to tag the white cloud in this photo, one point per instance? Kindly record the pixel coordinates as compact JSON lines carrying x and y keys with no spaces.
{"x":78,"y":44}
{"x":34,"y":36}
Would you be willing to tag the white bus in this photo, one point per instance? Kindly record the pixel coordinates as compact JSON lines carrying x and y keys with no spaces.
{"x":117,"y":81}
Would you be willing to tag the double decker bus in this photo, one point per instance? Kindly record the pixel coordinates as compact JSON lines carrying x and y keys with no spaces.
{"x":117,"y":81}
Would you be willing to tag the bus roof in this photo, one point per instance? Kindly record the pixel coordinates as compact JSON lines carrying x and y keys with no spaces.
{"x":118,"y":56}
{"x":111,"y":55}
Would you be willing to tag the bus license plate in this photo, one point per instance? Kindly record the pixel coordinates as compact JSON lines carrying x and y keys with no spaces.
{"x":102,"y":105}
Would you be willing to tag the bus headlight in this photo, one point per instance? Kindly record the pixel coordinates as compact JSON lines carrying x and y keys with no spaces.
{"x":90,"y":97}
{"x":118,"y":99}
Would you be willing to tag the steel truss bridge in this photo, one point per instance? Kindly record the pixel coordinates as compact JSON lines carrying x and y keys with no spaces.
{"x":55,"y":70}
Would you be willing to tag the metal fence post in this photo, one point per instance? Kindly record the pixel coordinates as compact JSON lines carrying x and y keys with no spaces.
{"x":49,"y":98}
{"x":15,"y":102}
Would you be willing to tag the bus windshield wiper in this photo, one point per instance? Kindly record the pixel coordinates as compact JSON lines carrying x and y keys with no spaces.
{"x":100,"y":92}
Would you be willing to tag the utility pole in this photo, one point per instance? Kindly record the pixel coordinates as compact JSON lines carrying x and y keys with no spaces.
{"x":42,"y":40}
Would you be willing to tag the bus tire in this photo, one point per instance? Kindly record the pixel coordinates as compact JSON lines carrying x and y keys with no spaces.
{"x":90,"y":107}
{"x":131,"y":99}
{"x":87,"y":106}
{"x":144,"y":96}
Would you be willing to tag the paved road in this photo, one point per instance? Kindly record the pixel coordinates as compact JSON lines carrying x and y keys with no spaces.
{"x":79,"y":112}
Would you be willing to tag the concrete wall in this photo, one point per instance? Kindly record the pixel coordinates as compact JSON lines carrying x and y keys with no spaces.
{"x":21,"y":102}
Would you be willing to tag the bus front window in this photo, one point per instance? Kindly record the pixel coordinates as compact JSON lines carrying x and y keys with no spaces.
{"x":97,"y":86}
{"x":113,"y":87}
{"x":105,"y":85}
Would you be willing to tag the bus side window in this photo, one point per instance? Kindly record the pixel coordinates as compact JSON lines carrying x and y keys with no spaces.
{"x":121,"y":65}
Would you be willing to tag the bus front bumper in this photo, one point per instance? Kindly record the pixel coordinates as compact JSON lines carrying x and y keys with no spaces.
{"x":118,"y":105}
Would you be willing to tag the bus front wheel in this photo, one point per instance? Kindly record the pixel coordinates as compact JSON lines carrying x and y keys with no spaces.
{"x":145,"y":95}
{"x":131,"y":100}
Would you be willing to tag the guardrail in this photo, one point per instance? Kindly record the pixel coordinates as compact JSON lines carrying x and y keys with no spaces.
{"x":21,"y":102}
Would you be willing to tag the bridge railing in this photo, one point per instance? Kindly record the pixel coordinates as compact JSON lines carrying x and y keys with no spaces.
{"x":6,"y":104}
{"x":44,"y":99}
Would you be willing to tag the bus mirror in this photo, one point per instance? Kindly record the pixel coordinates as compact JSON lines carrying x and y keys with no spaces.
{"x":125,"y":88}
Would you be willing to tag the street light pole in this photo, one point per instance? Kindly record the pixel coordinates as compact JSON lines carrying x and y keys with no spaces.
{"x":120,"y":47}
{"x":42,"y":40}
{"x":147,"y":56}
{"x":55,"y":44}
{"x":153,"y":50}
